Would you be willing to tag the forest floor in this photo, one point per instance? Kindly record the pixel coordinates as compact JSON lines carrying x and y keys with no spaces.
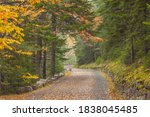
{"x":79,"y":84}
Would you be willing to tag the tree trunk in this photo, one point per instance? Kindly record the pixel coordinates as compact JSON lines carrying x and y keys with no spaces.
{"x":94,"y":52}
{"x":53,"y":45}
{"x":39,"y":58}
{"x":53,"y":57}
{"x":44,"y":64}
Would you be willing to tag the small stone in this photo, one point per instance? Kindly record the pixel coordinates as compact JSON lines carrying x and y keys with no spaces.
{"x":141,"y":97}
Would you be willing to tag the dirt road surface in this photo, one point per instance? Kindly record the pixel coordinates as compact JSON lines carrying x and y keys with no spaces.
{"x":79,"y":84}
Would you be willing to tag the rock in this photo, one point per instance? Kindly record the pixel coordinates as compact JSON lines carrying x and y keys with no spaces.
{"x":127,"y":92}
{"x":39,"y":85}
{"x":34,"y":87}
{"x":53,"y":78}
{"x":61,"y":74}
{"x":49,"y":81}
{"x":41,"y":82}
{"x":56,"y":76}
{"x":28,"y":88}
{"x":24,"y":89}
{"x":147,"y":87}
{"x":141,"y":97}
{"x":133,"y":91}
{"x":20,"y":90}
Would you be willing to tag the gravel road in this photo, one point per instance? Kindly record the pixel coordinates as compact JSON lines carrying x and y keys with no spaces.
{"x":79,"y":85}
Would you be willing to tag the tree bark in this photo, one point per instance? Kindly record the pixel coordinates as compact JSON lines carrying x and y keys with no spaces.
{"x":53,"y":46}
{"x":53,"y":58}
{"x":39,"y":58}
{"x":44,"y":64}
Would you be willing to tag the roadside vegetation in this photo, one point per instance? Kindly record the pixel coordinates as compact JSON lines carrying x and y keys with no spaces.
{"x":125,"y":52}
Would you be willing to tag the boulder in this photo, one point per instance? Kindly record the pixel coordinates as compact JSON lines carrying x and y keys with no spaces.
{"x":28,"y":88}
{"x":24,"y":89}
{"x":53,"y":78}
{"x":20,"y":90}
{"x":56,"y":76}
{"x":61,"y":74}
{"x":34,"y":87}
{"x":41,"y":82}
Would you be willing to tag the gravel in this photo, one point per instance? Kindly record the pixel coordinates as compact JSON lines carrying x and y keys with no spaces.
{"x":80,"y":84}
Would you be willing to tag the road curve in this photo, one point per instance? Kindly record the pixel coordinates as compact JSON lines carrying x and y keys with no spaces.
{"x":80,"y":84}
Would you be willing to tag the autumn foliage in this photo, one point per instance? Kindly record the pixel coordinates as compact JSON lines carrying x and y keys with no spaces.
{"x":38,"y":1}
{"x":28,"y":26}
{"x":11,"y":33}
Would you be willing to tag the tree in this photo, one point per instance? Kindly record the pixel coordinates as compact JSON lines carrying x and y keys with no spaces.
{"x":68,"y":17}
{"x":32,"y":33}
{"x":14,"y":69}
{"x":125,"y":37}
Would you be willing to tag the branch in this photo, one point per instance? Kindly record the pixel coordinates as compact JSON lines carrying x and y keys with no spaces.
{"x":13,"y":2}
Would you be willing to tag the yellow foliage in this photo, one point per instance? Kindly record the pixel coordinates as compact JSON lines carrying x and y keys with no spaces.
{"x":24,"y":53}
{"x":38,"y":1}
{"x":8,"y":12}
{"x":5,"y":43}
{"x":29,"y":76}
{"x":9,"y":30}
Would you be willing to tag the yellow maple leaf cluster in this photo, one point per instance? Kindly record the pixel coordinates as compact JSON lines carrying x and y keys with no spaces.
{"x":29,"y":76}
{"x":10,"y":32}
{"x":5,"y":43}
{"x":38,"y":1}
{"x":24,"y":52}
